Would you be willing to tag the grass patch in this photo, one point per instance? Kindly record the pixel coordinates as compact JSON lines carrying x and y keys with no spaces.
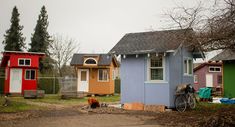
{"x":16,"y":106}
{"x":20,"y":104}
{"x":55,"y":99}
{"x":204,"y":106}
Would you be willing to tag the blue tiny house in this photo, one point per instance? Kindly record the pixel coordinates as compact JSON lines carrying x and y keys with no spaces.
{"x":153,"y":64}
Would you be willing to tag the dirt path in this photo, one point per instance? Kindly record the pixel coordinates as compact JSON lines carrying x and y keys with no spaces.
{"x":73,"y":117}
{"x":83,"y":120}
{"x":76,"y":116}
{"x":47,"y":105}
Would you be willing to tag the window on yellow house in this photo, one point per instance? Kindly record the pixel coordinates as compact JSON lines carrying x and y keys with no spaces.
{"x":103,"y":75}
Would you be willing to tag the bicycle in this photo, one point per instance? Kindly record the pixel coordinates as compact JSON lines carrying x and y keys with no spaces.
{"x":185,"y":98}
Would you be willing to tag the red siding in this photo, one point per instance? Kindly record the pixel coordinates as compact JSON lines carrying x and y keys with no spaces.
{"x":34,"y":60}
{"x":6,"y":83}
{"x":13,"y":58}
{"x":202,"y":77}
{"x":28,"y":84}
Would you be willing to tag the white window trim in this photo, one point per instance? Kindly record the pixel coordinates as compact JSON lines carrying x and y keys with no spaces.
{"x":88,"y":59}
{"x":24,"y":61}
{"x":187,"y":73}
{"x":195,"y":81}
{"x":99,"y":76}
{"x":214,"y":67}
{"x":149,"y":75}
{"x":113,"y":74}
{"x":30,"y":74}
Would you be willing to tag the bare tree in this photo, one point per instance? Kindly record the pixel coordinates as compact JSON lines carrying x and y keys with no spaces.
{"x":62,"y":49}
{"x":214,"y":27}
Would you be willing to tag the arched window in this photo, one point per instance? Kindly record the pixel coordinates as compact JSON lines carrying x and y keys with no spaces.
{"x":90,"y":61}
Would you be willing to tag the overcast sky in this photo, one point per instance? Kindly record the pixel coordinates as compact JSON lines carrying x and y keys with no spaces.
{"x":96,"y":24}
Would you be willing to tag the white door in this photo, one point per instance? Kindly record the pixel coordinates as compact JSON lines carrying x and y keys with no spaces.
{"x":209,"y":80}
{"x":83,"y":80}
{"x":15,"y":80}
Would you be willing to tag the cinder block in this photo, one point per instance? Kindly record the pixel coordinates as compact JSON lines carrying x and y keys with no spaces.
{"x":134,"y":106}
{"x":154,"y":108}
{"x":137,"y":106}
{"x":127,"y":106}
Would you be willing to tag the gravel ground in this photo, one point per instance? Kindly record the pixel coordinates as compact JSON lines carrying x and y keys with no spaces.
{"x":78,"y":116}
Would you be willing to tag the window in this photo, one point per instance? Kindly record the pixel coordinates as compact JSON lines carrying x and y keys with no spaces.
{"x":214,"y":69}
{"x":30,"y":74}
{"x":83,"y":75}
{"x":219,"y":79}
{"x":114,"y":74}
{"x":24,"y":62}
{"x":156,"y":68}
{"x":103,"y":75}
{"x":195,"y":79}
{"x":188,"y":67}
{"x":90,"y":61}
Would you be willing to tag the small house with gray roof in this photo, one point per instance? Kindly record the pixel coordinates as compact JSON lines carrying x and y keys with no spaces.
{"x":153,"y":64}
{"x":95,"y":73}
{"x":228,"y":64}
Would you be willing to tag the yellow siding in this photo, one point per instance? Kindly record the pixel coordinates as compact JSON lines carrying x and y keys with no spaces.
{"x":100,"y":87}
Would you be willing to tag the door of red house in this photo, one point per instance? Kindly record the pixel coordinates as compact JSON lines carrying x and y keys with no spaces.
{"x":15,"y":80}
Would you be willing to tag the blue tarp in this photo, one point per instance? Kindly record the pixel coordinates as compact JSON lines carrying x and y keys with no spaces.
{"x":227,"y":101}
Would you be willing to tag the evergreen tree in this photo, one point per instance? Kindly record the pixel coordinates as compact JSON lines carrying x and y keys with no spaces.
{"x":13,"y":37}
{"x":40,"y":41}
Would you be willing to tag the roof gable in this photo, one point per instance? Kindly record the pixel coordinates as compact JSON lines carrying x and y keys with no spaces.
{"x":149,"y":42}
{"x":207,"y":64}
{"x":228,"y":54}
{"x":103,"y":59}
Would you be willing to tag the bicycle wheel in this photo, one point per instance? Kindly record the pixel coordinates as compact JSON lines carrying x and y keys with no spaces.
{"x":191,"y":101}
{"x":180,"y":103}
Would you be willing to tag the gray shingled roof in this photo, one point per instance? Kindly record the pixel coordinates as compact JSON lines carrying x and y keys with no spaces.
{"x":148,"y":42}
{"x":104,"y":59}
{"x":227,"y":54}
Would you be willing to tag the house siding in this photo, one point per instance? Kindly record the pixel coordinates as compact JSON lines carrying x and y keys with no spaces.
{"x":201,"y":73}
{"x":135,"y":86}
{"x":132,"y":75}
{"x":176,"y":72}
{"x":229,"y":80}
{"x":157,"y":93}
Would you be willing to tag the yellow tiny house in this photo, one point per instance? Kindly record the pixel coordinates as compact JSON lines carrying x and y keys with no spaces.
{"x":95,"y":73}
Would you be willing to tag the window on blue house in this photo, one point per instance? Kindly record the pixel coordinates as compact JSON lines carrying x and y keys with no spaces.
{"x":188,"y":66}
{"x":156,"y":68}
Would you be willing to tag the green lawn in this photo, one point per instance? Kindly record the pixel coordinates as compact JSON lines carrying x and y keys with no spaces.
{"x":55,"y":99}
{"x":204,"y":106}
{"x":20,"y":104}
{"x":16,"y":106}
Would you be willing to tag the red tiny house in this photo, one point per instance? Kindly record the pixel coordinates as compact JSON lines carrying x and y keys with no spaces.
{"x":21,"y":71}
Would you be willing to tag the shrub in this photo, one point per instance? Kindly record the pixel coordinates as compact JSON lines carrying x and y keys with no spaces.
{"x":117,"y":85}
{"x":48,"y":84}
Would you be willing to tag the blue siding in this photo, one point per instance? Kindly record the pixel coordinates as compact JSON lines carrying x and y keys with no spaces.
{"x":177,"y":73}
{"x":157,"y":93}
{"x":136,"y":88}
{"x":132,"y":79}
